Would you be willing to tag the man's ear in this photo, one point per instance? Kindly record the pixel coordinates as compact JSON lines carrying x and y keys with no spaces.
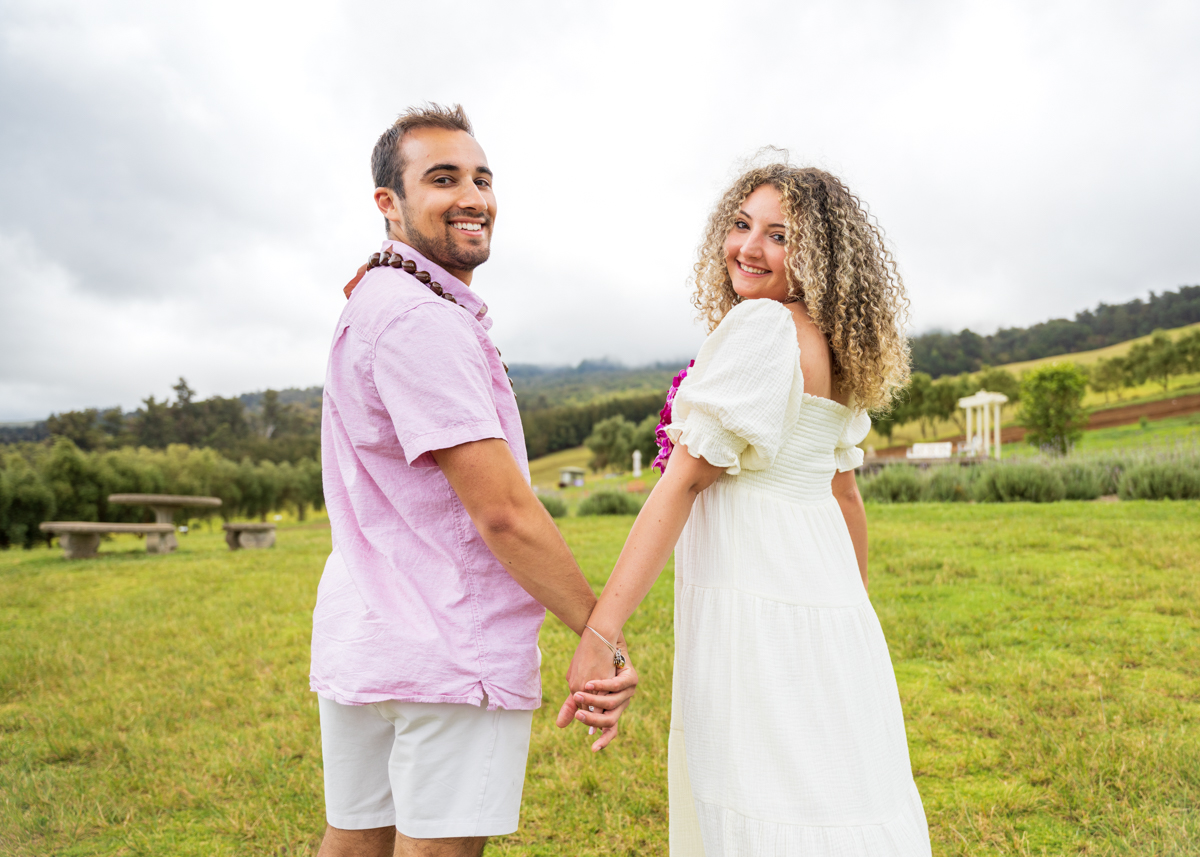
{"x":389,"y":206}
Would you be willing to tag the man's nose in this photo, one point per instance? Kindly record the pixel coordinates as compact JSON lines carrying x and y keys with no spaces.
{"x":473,"y":199}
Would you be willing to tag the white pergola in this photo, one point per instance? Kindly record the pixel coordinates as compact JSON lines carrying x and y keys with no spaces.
{"x":983,"y":422}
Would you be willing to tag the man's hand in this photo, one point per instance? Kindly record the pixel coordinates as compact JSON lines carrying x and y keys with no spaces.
{"x":599,"y":693}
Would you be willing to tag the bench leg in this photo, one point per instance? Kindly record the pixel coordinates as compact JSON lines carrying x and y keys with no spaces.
{"x":264,"y":539}
{"x":160,"y":542}
{"x":231,"y":539}
{"x":165,"y":515}
{"x":79,"y":545}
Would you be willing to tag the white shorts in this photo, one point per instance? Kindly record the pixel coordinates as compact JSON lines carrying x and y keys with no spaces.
{"x":430,"y":769}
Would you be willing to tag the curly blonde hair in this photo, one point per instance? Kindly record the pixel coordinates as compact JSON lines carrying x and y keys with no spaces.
{"x":837,"y":264}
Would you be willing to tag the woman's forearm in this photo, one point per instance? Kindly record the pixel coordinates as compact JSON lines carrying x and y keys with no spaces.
{"x":651,"y":540}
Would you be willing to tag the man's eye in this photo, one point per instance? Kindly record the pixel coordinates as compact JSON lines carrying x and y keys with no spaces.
{"x":483,"y":183}
{"x":443,"y":180}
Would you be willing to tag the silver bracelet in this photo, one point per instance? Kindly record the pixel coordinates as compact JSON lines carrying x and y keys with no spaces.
{"x":618,"y":655}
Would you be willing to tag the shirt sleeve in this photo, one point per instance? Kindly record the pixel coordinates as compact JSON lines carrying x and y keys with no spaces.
{"x":743,"y":396}
{"x":846,"y":452}
{"x":432,"y":375}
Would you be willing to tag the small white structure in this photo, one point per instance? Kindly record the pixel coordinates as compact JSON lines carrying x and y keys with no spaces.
{"x":637,"y":463}
{"x":570,"y":477}
{"x":983,"y":422}
{"x":931,"y":450}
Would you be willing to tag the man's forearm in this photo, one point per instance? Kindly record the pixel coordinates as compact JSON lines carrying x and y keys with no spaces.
{"x":517,"y":528}
{"x":533,"y":551}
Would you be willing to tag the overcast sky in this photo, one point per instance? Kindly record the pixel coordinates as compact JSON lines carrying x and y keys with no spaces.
{"x":184,"y":188}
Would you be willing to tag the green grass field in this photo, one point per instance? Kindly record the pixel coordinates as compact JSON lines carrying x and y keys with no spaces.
{"x":1158,"y":436}
{"x":1048,"y":660}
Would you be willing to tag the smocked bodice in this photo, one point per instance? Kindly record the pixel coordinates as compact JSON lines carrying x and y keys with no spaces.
{"x":808,"y":456}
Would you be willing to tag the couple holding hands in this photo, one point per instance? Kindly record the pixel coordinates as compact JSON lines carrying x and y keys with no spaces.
{"x":787,"y":736}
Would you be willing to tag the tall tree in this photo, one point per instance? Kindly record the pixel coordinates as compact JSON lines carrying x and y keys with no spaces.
{"x":1052,"y":406}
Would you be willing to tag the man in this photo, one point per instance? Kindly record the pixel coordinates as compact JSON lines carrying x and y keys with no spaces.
{"x":424,"y":651}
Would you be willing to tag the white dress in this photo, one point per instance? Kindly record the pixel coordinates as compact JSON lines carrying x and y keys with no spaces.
{"x":787,"y":736}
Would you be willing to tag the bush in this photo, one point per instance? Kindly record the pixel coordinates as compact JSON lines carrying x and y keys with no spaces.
{"x":61,"y":482}
{"x":1160,"y":481}
{"x":25,"y":501}
{"x":898,"y":483}
{"x":949,"y":484}
{"x":554,"y":505}
{"x":1030,"y":483}
{"x":610,"y":503}
{"x":1084,"y":480}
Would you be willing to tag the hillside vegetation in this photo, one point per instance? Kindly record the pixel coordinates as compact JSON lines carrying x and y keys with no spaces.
{"x":539,"y":387}
{"x":938,"y":353}
{"x":561,"y":405}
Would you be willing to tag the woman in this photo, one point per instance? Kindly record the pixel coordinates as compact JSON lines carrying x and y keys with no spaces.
{"x":787,"y":736}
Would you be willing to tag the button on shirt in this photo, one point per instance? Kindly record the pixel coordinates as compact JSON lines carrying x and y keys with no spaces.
{"x":412,"y":604}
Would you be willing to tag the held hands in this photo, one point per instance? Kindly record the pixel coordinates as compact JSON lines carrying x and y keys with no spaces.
{"x":599,"y":692}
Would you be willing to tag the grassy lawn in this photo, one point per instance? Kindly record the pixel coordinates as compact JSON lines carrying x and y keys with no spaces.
{"x":1048,"y":659}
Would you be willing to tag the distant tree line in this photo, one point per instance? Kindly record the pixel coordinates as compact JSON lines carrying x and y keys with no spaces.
{"x":927,"y":401}
{"x":1158,"y":360}
{"x":938,"y":354}
{"x":61,"y":482}
{"x":552,"y":429}
{"x":274,"y":432}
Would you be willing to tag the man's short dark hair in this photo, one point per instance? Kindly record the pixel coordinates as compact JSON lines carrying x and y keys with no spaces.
{"x":387,"y":162}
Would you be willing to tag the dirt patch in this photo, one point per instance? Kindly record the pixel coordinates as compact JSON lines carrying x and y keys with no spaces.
{"x":1159,"y":410}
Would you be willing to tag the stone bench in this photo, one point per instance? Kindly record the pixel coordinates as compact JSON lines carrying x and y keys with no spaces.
{"x":80,"y":539}
{"x":249,"y":536}
{"x":165,"y":506}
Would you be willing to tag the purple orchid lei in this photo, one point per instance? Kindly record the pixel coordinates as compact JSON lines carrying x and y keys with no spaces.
{"x":660,"y":434}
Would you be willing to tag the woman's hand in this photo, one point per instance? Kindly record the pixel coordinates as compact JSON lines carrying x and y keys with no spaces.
{"x":599,"y":693}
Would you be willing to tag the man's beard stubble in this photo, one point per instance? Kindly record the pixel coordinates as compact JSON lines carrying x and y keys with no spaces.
{"x":441,"y":248}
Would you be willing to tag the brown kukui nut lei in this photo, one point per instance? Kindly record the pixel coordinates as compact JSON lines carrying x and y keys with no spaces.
{"x":388,"y":259}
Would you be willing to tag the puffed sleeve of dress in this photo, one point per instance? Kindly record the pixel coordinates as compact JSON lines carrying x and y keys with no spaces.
{"x":743,"y":396}
{"x":846,"y":452}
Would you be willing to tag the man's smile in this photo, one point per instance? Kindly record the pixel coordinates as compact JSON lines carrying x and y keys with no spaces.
{"x":467,"y":225}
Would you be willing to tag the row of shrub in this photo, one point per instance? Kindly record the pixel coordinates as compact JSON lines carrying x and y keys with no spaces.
{"x":600,"y":503}
{"x":1038,"y":481}
{"x":60,"y":482}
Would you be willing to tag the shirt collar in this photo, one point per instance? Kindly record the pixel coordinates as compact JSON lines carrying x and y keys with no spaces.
{"x":464,"y":294}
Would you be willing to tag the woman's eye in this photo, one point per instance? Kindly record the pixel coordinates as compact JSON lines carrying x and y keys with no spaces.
{"x":779,"y":238}
{"x":740,"y":224}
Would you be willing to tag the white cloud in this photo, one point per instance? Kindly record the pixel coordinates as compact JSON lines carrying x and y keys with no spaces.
{"x":184,"y":189}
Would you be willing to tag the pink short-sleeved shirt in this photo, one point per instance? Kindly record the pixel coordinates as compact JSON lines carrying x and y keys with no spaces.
{"x":412,"y":605}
